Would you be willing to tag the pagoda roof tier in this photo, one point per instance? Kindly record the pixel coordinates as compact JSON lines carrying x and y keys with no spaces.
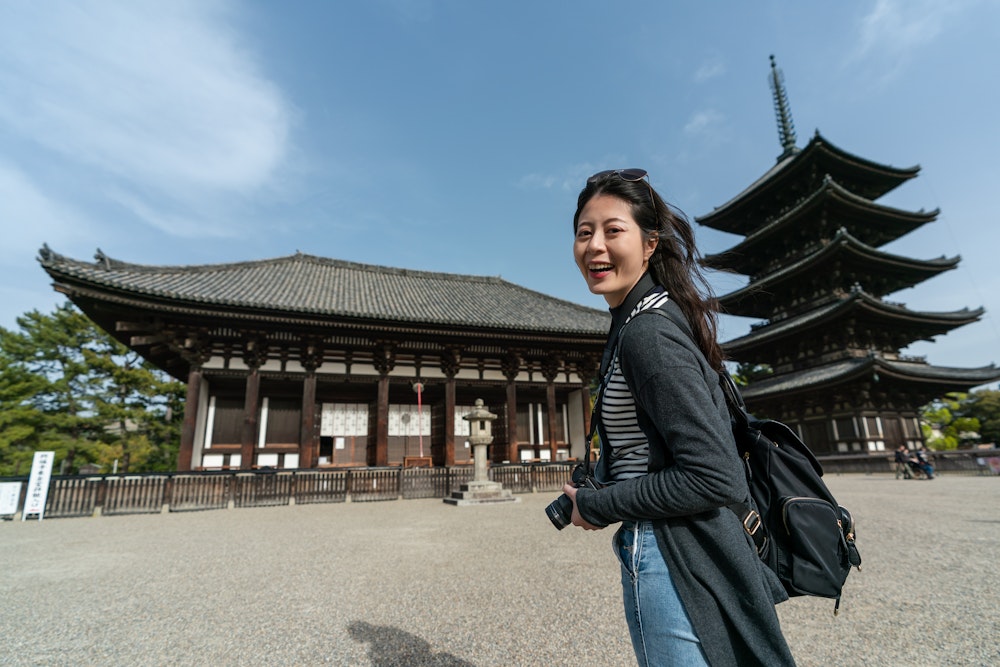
{"x":795,"y":177}
{"x":324,"y":293}
{"x":829,"y":208}
{"x":839,"y":265}
{"x":891,"y":321}
{"x":929,"y":380}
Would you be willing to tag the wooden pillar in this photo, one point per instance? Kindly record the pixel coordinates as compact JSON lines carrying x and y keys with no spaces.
{"x":550,"y":371}
{"x":254,"y":356}
{"x":586,"y":370}
{"x":379,"y":455}
{"x":191,"y":400}
{"x":512,"y":439}
{"x":311,"y":357}
{"x":384,"y":360}
{"x":449,"y":423}
{"x":451,"y":363}
{"x":250,"y":408}
{"x":511,"y":366}
{"x":550,"y":404}
{"x":307,"y":431}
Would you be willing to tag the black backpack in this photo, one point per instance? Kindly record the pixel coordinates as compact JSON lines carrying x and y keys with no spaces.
{"x":799,"y":529}
{"x":802,"y":533}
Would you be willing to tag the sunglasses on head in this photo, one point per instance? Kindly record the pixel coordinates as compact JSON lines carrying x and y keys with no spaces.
{"x":631,"y":175}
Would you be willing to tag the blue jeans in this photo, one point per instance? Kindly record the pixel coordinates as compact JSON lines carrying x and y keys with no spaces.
{"x":660,"y":627}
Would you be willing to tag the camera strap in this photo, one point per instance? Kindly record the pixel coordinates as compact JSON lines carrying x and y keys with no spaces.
{"x":595,"y":413}
{"x":650,"y":299}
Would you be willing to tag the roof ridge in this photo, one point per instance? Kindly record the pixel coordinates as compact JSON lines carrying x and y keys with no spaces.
{"x":339,"y":288}
{"x":48,"y":256}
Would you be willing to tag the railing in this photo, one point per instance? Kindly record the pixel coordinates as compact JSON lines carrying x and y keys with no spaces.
{"x":321,"y":486}
{"x":75,"y":496}
{"x":200,"y":491}
{"x":69,"y":496}
{"x":263,"y":489}
{"x":134,"y":494}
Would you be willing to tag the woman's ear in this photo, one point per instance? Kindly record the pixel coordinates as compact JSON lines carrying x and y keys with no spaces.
{"x":651,"y":241}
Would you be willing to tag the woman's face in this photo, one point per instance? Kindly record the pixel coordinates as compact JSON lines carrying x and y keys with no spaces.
{"x":610,"y":248}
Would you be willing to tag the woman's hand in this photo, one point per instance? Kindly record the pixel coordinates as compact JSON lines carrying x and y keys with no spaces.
{"x":577,"y":520}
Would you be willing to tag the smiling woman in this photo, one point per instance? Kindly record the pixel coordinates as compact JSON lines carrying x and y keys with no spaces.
{"x":611,"y":249}
{"x":623,"y":229}
{"x":694,"y":590}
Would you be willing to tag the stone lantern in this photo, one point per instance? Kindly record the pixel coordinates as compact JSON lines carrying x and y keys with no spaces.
{"x":480,"y":490}
{"x":480,"y":436}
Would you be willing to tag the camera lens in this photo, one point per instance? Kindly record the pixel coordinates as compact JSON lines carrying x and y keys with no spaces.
{"x":560,"y":511}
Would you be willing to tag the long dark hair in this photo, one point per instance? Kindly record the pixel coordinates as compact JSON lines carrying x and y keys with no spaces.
{"x":675,"y":262}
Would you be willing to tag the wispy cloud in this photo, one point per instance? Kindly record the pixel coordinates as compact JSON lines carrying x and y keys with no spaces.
{"x":158,"y":100}
{"x":706,"y":122}
{"x":572,"y":178}
{"x":897,"y":29}
{"x":710,"y":69}
{"x":536,"y":181}
{"x":31,"y":216}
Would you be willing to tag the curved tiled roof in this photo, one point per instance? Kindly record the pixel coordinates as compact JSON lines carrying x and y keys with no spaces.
{"x":317,"y":286}
{"x":739,"y":215}
{"x":829,"y":375}
{"x":889,"y":224}
{"x":826,"y":315}
{"x":757,"y":298}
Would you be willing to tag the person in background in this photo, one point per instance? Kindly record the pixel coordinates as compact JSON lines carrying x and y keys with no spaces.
{"x":923,"y":460}
{"x":694,"y":590}
{"x":902,"y":458}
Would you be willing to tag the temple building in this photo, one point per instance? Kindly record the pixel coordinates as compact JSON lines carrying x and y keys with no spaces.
{"x":812,"y":231}
{"x":304,"y":361}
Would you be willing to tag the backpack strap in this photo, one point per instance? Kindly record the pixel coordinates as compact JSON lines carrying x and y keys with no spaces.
{"x":748,"y":515}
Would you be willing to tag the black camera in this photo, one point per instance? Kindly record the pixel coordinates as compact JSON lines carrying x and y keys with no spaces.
{"x":560,"y":510}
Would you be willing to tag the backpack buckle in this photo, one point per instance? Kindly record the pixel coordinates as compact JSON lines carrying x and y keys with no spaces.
{"x":752,"y":523}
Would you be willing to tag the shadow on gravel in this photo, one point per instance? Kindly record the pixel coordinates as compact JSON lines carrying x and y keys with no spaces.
{"x":390,"y":647}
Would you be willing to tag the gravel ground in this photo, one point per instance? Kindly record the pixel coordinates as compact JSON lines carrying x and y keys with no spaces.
{"x":422,"y":583}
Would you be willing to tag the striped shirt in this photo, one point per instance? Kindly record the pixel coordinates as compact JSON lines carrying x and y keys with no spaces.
{"x":627,"y":447}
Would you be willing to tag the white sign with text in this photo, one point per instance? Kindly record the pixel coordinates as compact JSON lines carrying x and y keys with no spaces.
{"x":38,"y":484}
{"x":10,"y":497}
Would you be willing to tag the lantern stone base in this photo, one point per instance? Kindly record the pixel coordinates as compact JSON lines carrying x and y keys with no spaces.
{"x":481,"y":493}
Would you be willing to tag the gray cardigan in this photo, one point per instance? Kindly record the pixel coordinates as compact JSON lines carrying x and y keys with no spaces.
{"x":694,"y":473}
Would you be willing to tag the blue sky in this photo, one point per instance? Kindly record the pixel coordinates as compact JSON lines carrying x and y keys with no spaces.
{"x":454,"y":135}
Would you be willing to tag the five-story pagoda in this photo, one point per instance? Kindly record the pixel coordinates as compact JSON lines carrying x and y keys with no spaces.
{"x":818,"y":279}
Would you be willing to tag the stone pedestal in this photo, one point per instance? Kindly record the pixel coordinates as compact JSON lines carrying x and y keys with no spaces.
{"x":480,"y":470}
{"x":482,"y":493}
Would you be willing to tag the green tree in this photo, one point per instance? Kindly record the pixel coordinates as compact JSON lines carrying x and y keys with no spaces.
{"x":136,"y":403}
{"x":50,"y":347}
{"x":67,"y":386}
{"x":20,"y":421}
{"x":946,"y":424}
{"x":748,"y":373}
{"x":984,"y":405}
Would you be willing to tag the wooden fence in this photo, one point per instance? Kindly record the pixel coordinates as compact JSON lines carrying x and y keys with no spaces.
{"x":75,"y":496}
{"x":94,"y":495}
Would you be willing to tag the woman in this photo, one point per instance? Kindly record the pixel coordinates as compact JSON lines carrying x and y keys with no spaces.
{"x":695,"y":591}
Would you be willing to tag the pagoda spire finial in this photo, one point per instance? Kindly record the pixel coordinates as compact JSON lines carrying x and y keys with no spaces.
{"x":786,"y":128}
